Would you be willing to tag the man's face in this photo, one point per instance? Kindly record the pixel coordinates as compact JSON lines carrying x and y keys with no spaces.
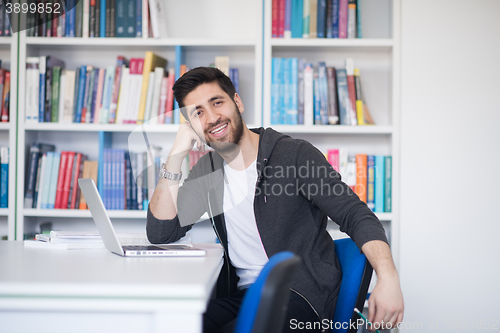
{"x":215,"y":117}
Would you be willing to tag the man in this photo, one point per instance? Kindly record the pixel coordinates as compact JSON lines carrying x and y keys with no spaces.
{"x":265,"y":192}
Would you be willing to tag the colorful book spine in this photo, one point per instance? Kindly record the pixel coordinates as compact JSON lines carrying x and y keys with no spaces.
{"x":379,"y":183}
{"x":370,"y":182}
{"x":351,"y":19}
{"x":81,"y":94}
{"x":359,"y":98}
{"x":333,"y":101}
{"x":41,"y":93}
{"x":63,"y":163}
{"x":323,"y":91}
{"x":4,"y":177}
{"x":31,"y":175}
{"x":388,"y":184}
{"x":306,"y":17}
{"x":317,"y":100}
{"x":45,"y":181}
{"x":361,"y":176}
{"x":335,"y":18}
{"x":300,"y":91}
{"x":321,"y":18}
{"x":343,"y":13}
{"x":53,"y":181}
{"x":292,"y":112}
{"x":275,"y":91}
{"x":343,"y":97}
{"x":308,"y":95}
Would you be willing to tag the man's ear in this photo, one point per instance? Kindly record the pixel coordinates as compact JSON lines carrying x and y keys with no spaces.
{"x":239,"y":103}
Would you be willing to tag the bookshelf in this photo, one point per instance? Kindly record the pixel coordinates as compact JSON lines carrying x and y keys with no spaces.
{"x":377,"y":55}
{"x":195,"y":41}
{"x":8,"y":55}
{"x":214,"y":29}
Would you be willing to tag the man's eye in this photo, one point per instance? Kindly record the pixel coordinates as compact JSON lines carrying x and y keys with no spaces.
{"x":218,"y":102}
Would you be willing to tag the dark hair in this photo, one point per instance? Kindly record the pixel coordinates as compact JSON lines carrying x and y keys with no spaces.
{"x":198,"y":76}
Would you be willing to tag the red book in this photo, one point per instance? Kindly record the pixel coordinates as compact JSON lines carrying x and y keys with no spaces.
{"x":351,"y":87}
{"x":361,"y":176}
{"x":5,"y":98}
{"x":67,"y":180}
{"x":333,"y":159}
{"x":281,"y":18}
{"x":163,"y":100}
{"x":343,"y":9}
{"x":60,"y":179}
{"x":77,"y":171}
{"x":170,"y":98}
{"x":274,"y":25}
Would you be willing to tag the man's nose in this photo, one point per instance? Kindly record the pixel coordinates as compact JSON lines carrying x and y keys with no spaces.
{"x":212,"y":117}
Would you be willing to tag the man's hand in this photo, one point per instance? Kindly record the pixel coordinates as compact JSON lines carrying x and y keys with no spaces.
{"x":386,"y":305}
{"x":184,"y":141}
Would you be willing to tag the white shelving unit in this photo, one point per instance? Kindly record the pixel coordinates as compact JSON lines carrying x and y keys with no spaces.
{"x":199,"y":36}
{"x":8,"y":55}
{"x":377,"y":55}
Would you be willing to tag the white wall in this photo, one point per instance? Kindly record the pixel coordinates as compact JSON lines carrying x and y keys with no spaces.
{"x":450,"y":165}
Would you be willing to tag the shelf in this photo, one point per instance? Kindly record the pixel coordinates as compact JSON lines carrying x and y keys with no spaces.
{"x":4,"y":212}
{"x":384,"y":216}
{"x":135,"y":42}
{"x":5,"y":126}
{"x":5,"y":40}
{"x":83,"y":213}
{"x":75,"y":127}
{"x":334,"y":129}
{"x":371,"y":44}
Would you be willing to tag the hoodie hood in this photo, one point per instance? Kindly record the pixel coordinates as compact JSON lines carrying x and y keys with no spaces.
{"x":270,"y":137}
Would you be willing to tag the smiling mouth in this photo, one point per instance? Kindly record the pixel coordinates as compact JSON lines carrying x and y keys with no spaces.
{"x":218,"y":129}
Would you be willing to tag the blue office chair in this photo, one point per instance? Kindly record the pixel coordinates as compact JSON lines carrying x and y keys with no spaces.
{"x":356,"y":276}
{"x":265,"y":303}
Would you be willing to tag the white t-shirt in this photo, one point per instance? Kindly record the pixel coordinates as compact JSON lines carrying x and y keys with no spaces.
{"x":245,"y":246}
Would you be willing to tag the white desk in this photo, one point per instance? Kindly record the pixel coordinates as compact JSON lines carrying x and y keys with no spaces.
{"x":49,"y":290}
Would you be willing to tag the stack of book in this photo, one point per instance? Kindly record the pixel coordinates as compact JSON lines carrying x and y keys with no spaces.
{"x":4,"y":94}
{"x":99,"y":18}
{"x":369,"y":176}
{"x":316,"y":19}
{"x":68,"y":240}
{"x":305,"y":95}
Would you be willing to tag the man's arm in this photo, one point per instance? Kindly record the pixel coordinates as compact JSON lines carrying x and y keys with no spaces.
{"x":386,"y":303}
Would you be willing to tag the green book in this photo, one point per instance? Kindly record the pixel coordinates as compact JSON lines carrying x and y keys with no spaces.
{"x":56,"y":76}
{"x":388,"y":185}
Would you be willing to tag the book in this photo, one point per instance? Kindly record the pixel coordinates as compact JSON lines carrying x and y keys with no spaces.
{"x":351,"y":86}
{"x":335,"y":18}
{"x":68,"y":171}
{"x":85,"y":174}
{"x":388,"y":184}
{"x":306,"y":17}
{"x":56,"y":76}
{"x":323,"y":91}
{"x":155,"y":107}
{"x":379,"y":183}
{"x":61,"y":174}
{"x":300,"y":91}
{"x":361,"y":176}
{"x":46,"y":173}
{"x":4,"y":177}
{"x":31,"y":174}
{"x":62,"y":91}
{"x":321,"y":19}
{"x":107,"y":95}
{"x":308,"y":95}
{"x":32,"y":89}
{"x":74,"y":189}
{"x":6,"y":98}
{"x":284,"y":18}
{"x":274,"y":19}
{"x":123,"y":96}
{"x":359,"y":98}
{"x":149,"y":97}
{"x":313,"y":20}
{"x":151,"y":61}
{"x":343,"y":14}
{"x":343,"y":97}
{"x":69,"y":96}
{"x":370,"y":182}
{"x":351,"y":19}
{"x":80,"y":93}
{"x":169,"y":116}
{"x":333,"y":101}
{"x":41,"y":86}
{"x":53,"y":181}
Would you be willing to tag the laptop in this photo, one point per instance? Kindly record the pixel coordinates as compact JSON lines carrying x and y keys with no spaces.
{"x":110,"y":239}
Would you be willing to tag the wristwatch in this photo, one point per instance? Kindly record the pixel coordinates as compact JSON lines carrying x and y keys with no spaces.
{"x":170,"y":176}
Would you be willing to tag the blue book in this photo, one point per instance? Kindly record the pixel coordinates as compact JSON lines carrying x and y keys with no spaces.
{"x":275,"y":91}
{"x":370,"y":182}
{"x":358,"y":19}
{"x":71,"y":19}
{"x":236,"y":80}
{"x":102,"y":24}
{"x":105,"y":139}
{"x":53,"y":181}
{"x":4,"y":177}
{"x":121,"y":20}
{"x":379,"y":183}
{"x":138,"y":18}
{"x":388,"y":184}
{"x":41,"y":92}
{"x":300,"y":91}
{"x":105,"y":179}
{"x":323,"y":92}
{"x":343,"y":94}
{"x":81,"y":94}
{"x":317,"y":102}
{"x":287,"y":91}
{"x":335,"y":19}
{"x":109,"y":80}
{"x":128,"y":181}
{"x":283,"y":90}
{"x":291,"y":118}
{"x":94,"y":94}
{"x":121,"y":179}
{"x":321,"y":19}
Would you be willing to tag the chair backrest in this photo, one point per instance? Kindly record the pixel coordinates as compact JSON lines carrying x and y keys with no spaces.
{"x":356,"y":276}
{"x":264,"y":306}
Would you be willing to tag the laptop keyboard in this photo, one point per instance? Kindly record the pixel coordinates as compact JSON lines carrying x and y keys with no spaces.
{"x":153,"y":247}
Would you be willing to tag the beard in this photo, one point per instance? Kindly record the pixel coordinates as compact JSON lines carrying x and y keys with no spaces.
{"x":234,"y":136}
